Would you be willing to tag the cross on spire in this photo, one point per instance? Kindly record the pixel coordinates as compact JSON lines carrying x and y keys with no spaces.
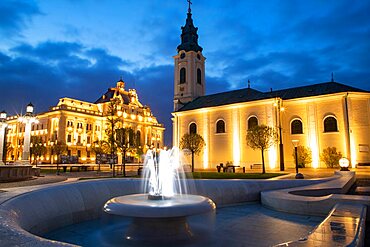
{"x":189,"y":9}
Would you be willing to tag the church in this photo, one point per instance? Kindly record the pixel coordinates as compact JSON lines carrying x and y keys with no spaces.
{"x":318,"y":116}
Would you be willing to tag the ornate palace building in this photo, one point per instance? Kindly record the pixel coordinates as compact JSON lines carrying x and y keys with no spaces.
{"x":79,"y":124}
{"x":322,"y":115}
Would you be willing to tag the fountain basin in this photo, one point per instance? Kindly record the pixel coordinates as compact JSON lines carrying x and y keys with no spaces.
{"x":138,"y":205}
{"x":159,"y":220}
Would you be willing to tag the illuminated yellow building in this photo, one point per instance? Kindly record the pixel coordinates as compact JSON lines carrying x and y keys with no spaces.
{"x":79,"y":124}
{"x":319,"y":116}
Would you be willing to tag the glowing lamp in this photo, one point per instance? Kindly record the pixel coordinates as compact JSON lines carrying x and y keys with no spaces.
{"x":295,"y":143}
{"x":344,"y":164}
{"x":2,"y":115}
{"x":29,"y":108}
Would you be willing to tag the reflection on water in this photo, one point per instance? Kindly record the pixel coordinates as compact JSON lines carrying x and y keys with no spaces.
{"x":248,"y":224}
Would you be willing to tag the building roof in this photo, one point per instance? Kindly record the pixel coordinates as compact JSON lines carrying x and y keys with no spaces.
{"x":110,"y":94}
{"x":189,"y":36}
{"x":249,"y":94}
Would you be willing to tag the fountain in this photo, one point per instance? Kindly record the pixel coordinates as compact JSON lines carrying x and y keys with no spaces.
{"x":160,"y":213}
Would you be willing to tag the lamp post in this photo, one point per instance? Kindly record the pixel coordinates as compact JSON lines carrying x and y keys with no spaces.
{"x":278,"y":111}
{"x":295,"y":144}
{"x":3,"y":125}
{"x":28,"y":119}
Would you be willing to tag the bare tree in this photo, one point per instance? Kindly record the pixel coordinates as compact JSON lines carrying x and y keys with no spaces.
{"x":100,"y":147}
{"x":113,"y":121}
{"x":262,"y":137}
{"x":37,"y":148}
{"x":59,"y":148}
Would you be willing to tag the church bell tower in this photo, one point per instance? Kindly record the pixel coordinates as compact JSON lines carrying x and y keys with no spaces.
{"x":189,"y":66}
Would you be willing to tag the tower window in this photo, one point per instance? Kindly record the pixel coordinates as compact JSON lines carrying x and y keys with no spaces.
{"x":199,"y":76}
{"x":296,"y":127}
{"x":252,"y":122}
{"x":182,"y":75}
{"x":192,"y":128}
{"x":330,"y":124}
{"x":220,"y":126}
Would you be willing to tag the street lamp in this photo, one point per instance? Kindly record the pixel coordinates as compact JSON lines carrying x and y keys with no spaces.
{"x":28,"y":119}
{"x":3,"y":125}
{"x":29,"y":109}
{"x":295,"y":144}
{"x":344,"y":164}
{"x":278,"y":111}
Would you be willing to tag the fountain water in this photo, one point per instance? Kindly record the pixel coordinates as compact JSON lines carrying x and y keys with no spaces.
{"x":160,"y":213}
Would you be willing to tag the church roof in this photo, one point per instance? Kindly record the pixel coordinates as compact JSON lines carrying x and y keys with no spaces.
{"x":189,"y":36}
{"x":249,"y":94}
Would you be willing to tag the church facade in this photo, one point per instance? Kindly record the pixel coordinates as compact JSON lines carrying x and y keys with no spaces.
{"x":79,"y":124}
{"x":322,"y":115}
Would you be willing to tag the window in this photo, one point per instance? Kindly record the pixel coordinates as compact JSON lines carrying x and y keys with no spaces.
{"x":296,"y":127}
{"x":252,"y":122}
{"x":69,"y":138}
{"x":79,"y":153}
{"x":192,"y":128}
{"x":88,"y":139}
{"x":138,"y":138}
{"x":330,"y":124}
{"x":220,"y":126}
{"x":182,"y":75}
{"x":199,"y":76}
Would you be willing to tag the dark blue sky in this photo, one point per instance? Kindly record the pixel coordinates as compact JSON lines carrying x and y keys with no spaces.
{"x":66,"y":48}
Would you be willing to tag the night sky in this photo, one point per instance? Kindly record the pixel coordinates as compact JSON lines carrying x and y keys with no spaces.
{"x":65,"y":48}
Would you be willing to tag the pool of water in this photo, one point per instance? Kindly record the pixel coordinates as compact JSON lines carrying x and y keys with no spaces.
{"x":241,"y":225}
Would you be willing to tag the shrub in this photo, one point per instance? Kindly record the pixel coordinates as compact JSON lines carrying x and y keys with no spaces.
{"x":330,"y":156}
{"x":304,"y":156}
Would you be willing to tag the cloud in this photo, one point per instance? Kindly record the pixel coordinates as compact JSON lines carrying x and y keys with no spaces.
{"x":15,"y":15}
{"x":155,"y":88}
{"x":50,"y":70}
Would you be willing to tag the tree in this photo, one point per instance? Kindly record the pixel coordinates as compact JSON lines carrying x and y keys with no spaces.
{"x":126,"y":141}
{"x":330,"y":156}
{"x":113,"y":121}
{"x":193,"y":142}
{"x":262,"y":137}
{"x":58,"y":149}
{"x":304,"y":156}
{"x":100,"y":147}
{"x":8,"y":150}
{"x":37,"y":147}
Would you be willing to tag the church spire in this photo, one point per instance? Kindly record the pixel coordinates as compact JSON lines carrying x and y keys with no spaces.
{"x":189,"y":36}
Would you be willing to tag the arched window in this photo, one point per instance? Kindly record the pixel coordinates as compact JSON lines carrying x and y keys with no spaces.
{"x":330,"y":124}
{"x":182,"y":75}
{"x":220,"y":126}
{"x":252,"y":122}
{"x":192,"y":128}
{"x":199,"y":76}
{"x":296,"y":127}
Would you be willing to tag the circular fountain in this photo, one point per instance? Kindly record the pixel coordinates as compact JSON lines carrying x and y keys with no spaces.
{"x":160,"y":213}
